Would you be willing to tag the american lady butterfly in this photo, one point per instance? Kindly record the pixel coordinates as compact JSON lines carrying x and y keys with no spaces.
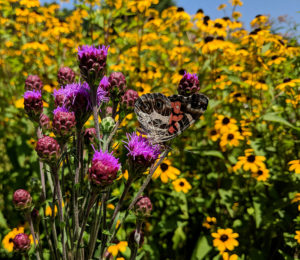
{"x":163,"y":118}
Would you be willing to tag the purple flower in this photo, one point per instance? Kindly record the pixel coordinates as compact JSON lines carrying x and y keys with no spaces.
{"x":104,"y":168}
{"x":104,"y":83}
{"x":92,"y":51}
{"x":21,"y":243}
{"x":141,"y":151}
{"x":59,"y":109}
{"x":92,"y":62}
{"x":188,"y":85}
{"x":102,"y":95}
{"x":33,"y":104}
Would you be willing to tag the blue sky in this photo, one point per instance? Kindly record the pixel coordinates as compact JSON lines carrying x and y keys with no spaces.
{"x":249,"y":10}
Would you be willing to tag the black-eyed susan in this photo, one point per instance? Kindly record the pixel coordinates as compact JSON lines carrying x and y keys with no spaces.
{"x":166,"y":171}
{"x":213,"y":134}
{"x":295,"y":166}
{"x":225,"y":124}
{"x":236,"y":2}
{"x":209,"y":222}
{"x":261,"y":175}
{"x":48,"y":211}
{"x":297,"y":237}
{"x":226,"y":256}
{"x":181,"y":184}
{"x":225,"y":239}
{"x":250,"y":162}
{"x":231,"y":138}
{"x":7,"y":241}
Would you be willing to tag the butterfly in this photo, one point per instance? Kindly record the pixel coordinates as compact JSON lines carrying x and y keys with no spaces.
{"x":163,"y":118}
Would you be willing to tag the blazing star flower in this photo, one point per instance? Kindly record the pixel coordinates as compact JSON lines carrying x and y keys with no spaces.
{"x":104,"y":84}
{"x":104,"y":168}
{"x":140,"y":150}
{"x":59,"y":109}
{"x":92,"y":62}
{"x":102,"y":95}
{"x":188,"y":85}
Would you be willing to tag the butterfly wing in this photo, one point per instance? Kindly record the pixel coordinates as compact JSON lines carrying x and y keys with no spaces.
{"x":163,"y":118}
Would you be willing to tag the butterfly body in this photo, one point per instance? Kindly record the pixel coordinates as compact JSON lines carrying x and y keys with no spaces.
{"x":163,"y":118}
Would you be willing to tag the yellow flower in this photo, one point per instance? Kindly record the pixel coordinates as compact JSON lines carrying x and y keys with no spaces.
{"x":261,"y":175}
{"x":181,"y":184}
{"x":297,"y":237}
{"x":209,"y":222}
{"x":114,"y":249}
{"x":213,"y":134}
{"x":236,"y":2}
{"x":165,"y":171}
{"x":7,"y":241}
{"x":48,"y":211}
{"x":250,"y":162}
{"x":296,"y":198}
{"x":295,"y":166}
{"x":221,"y":6}
{"x":110,"y":206}
{"x":19,"y":103}
{"x":231,"y":138}
{"x":236,"y":15}
{"x":123,"y":175}
{"x":225,"y":124}
{"x":225,"y":239}
{"x":226,"y":256}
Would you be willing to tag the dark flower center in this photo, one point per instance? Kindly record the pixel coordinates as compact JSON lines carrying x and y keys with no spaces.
{"x":220,"y":38}
{"x":259,"y":15}
{"x":10,"y":240}
{"x":286,"y":80}
{"x":225,"y":121}
{"x":164,"y":167}
{"x":230,"y":137}
{"x":237,"y":95}
{"x":218,"y":25}
{"x":213,"y":132}
{"x":260,"y":172}
{"x":199,"y":11}
{"x":181,"y":72}
{"x":224,"y":238}
{"x":262,"y":81}
{"x":274,"y":57}
{"x":251,"y":158}
{"x":226,"y":18}
{"x":181,"y":183}
{"x":208,"y":39}
{"x":180,"y":9}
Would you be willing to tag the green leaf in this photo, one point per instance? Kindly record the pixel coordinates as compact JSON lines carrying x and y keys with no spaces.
{"x":202,"y":249}
{"x":266,"y":47}
{"x":227,"y":200}
{"x":273,"y":117}
{"x":257,"y":213}
{"x":3,"y":223}
{"x":213,"y":153}
{"x":179,"y":235}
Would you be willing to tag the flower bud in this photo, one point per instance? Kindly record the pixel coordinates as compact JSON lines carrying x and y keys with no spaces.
{"x":136,"y":239}
{"x":65,"y":76}
{"x":47,"y":149}
{"x":89,"y":136}
{"x":104,"y":169}
{"x":117,"y":84}
{"x":33,"y":104}
{"x":107,"y":124}
{"x":44,"y":122}
{"x":63,"y":122}
{"x":92,"y":62}
{"x":22,"y":199}
{"x":22,"y":243}
{"x":143,"y":207}
{"x":129,"y":98}
{"x":188,"y":85}
{"x":33,"y":82}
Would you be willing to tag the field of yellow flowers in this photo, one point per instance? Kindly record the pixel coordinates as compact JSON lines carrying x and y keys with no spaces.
{"x":230,"y":187}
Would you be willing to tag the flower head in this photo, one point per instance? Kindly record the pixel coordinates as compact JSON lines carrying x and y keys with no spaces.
{"x":63,"y":122}
{"x":129,"y":98}
{"x":297,"y":236}
{"x":33,"y":104}
{"x":181,"y":184}
{"x":117,"y":85}
{"x":225,"y":239}
{"x":188,"y":85}
{"x":65,"y":76}
{"x":22,"y":242}
{"x":22,"y":199}
{"x":143,"y":206}
{"x":166,"y":171}
{"x":104,"y":168}
{"x":92,"y":62}
{"x":140,"y":151}
{"x":295,"y":166}
{"x":47,"y":149}
{"x":59,"y":109}
{"x":33,"y":82}
{"x":7,"y":241}
{"x":209,"y":222}
{"x":250,"y":162}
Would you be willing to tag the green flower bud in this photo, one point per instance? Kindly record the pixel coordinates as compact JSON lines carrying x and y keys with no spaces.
{"x":107,"y":125}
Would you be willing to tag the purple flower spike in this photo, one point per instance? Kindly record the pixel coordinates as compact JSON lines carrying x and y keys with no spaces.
{"x":141,"y":152}
{"x":104,"y":168}
{"x":102,"y":96}
{"x":104,"y":83}
{"x":188,"y":85}
{"x":92,"y":62}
